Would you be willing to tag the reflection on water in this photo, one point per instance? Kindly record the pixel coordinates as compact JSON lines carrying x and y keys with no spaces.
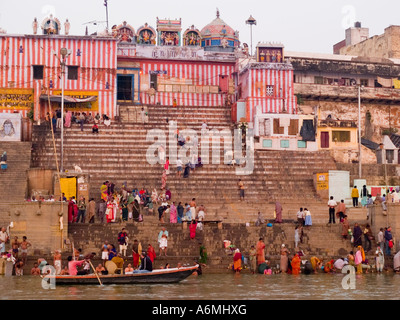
{"x":215,"y":287}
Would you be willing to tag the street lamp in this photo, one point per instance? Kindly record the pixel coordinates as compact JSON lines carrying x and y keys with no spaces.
{"x":106,"y":5}
{"x":64,"y":54}
{"x":251,"y":21}
{"x":359,"y":131}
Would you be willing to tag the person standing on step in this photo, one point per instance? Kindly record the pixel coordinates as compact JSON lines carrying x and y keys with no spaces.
{"x":163,"y":241}
{"x":300,"y":216}
{"x":332,"y":205}
{"x":253,"y":259}
{"x":278,"y":212}
{"x":81,"y":210}
{"x":355,"y":195}
{"x":307,"y":219}
{"x":3,"y":161}
{"x":102,"y":210}
{"x":81,"y":120}
{"x":58,"y":114}
{"x":192,"y":205}
{"x":341,"y":210}
{"x":91,"y":210}
{"x":123,"y":241}
{"x":241,"y":189}
{"x":260,"y":251}
{"x":367,"y":238}
{"x":357,"y":234}
{"x":284,"y":259}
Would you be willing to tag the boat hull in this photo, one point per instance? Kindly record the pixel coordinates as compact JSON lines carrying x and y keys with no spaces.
{"x":157,"y":276}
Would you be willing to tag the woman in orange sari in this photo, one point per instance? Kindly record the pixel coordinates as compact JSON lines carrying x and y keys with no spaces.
{"x":260,"y":251}
{"x":237,"y":261}
{"x":295,"y":264}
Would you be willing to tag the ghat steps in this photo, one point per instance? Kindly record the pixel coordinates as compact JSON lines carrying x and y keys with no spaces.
{"x":118,"y":154}
{"x":14,"y":179}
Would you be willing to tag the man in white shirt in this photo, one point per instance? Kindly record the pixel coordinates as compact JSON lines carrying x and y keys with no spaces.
{"x":300,"y":216}
{"x":332,"y":205}
{"x":179,"y":167}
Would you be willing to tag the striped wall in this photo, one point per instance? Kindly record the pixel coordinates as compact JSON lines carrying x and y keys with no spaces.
{"x":193,"y":83}
{"x":254,"y":82}
{"x":95,"y":57}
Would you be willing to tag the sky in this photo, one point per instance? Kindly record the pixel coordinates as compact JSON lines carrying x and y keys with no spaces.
{"x":305,"y":26}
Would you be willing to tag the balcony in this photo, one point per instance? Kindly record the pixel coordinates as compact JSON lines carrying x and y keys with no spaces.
{"x":310,"y":91}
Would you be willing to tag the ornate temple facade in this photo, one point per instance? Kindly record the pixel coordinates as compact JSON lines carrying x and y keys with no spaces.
{"x":30,"y":71}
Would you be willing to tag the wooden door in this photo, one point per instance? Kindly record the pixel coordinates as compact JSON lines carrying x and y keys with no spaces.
{"x":324,"y":139}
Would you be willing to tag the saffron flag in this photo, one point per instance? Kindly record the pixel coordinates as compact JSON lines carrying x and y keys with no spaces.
{"x":68,"y":187}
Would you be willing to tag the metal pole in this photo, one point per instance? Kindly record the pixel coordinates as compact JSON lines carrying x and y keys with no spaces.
{"x":251,"y":39}
{"x":359,"y":132}
{"x":106,"y":4}
{"x":62,"y":115}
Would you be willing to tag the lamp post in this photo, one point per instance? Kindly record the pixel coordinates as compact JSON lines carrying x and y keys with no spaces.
{"x":106,"y":5}
{"x":64,"y":54}
{"x":359,"y":132}
{"x":251,"y":21}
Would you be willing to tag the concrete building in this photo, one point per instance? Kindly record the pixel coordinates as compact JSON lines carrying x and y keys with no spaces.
{"x":358,"y":43}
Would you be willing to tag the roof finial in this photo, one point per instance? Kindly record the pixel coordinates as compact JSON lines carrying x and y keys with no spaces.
{"x":217,"y":13}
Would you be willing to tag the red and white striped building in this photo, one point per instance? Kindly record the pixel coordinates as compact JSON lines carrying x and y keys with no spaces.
{"x":266,"y":83}
{"x":30,"y":70}
{"x":185,"y":75}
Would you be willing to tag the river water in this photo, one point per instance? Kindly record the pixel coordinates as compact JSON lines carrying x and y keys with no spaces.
{"x":216,"y":287}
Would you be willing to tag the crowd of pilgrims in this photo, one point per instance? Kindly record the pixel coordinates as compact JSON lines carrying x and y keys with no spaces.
{"x":127,"y":205}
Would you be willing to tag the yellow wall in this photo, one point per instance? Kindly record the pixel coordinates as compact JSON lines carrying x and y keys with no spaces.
{"x":352,"y":145}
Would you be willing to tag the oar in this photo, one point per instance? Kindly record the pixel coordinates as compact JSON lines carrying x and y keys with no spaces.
{"x":98,"y":278}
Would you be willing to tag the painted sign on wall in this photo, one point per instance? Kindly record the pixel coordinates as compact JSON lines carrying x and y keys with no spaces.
{"x":10,"y":127}
{"x":84,"y":100}
{"x":16,"y":98}
{"x":322,"y":181}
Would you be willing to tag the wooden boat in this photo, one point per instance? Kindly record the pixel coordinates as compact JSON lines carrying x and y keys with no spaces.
{"x":172,"y":275}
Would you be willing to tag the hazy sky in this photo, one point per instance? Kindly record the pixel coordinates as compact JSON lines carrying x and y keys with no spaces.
{"x":308,"y":26}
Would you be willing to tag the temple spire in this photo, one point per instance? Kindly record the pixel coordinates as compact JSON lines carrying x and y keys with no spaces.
{"x":217,"y":13}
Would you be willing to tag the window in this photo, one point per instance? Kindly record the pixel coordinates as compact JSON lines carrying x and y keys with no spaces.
{"x":267,"y":143}
{"x":284,"y":143}
{"x":318,"y":80}
{"x":72,"y":73}
{"x":270,"y":90}
{"x":301,"y":144}
{"x":153,"y":81}
{"x":38,"y":72}
{"x":277,"y":128}
{"x":293,"y":127}
{"x":389,"y":156}
{"x":341,"y":136}
{"x":364,"y":82}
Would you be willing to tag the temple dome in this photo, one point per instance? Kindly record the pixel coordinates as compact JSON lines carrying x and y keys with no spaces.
{"x":217,"y":36}
{"x":216,"y":28}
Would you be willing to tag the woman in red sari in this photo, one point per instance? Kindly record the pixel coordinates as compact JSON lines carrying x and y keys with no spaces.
{"x":71,"y":212}
{"x":192,"y":229}
{"x":295,"y":264}
{"x":237,"y":261}
{"x":260,"y":251}
{"x":110,"y":211}
{"x":151,"y":253}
